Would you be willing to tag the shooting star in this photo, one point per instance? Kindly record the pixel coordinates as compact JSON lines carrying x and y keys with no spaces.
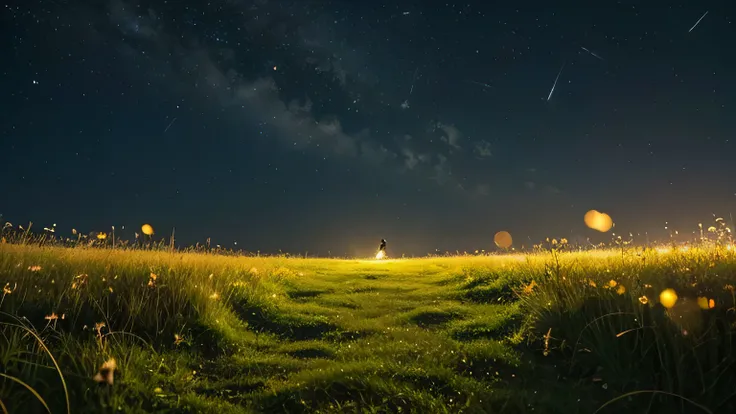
{"x":413,"y":80}
{"x":698,"y":22}
{"x":555,"y":84}
{"x":485,"y":85}
{"x":405,"y":104}
{"x":591,"y":53}
{"x":169,"y":126}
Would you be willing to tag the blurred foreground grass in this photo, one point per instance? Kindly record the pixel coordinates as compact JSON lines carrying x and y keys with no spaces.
{"x":189,"y":332}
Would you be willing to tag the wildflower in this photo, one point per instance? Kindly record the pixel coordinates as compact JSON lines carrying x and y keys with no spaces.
{"x":152,"y":280}
{"x":546,"y":341}
{"x":178,"y":339}
{"x":214,"y":296}
{"x":711,"y":304}
{"x":34,"y":268}
{"x":729,"y":287}
{"x":7,"y":290}
{"x":101,"y":236}
{"x":106,"y":374}
{"x":528,"y":288}
{"x":644,"y":300}
{"x":592,"y":283}
{"x":621,"y":290}
{"x":612,"y":283}
{"x":98,"y":328}
{"x":74,"y":232}
{"x":79,"y":281}
{"x":52,"y":317}
{"x":253,"y":271}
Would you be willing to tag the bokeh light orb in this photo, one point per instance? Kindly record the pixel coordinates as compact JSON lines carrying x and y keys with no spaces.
{"x":503,"y":239}
{"x":668,"y":298}
{"x":591,"y":217}
{"x":147,"y":229}
{"x":598,"y":221}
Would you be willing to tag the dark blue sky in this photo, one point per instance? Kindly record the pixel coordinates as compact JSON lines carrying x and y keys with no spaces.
{"x":324,"y":126}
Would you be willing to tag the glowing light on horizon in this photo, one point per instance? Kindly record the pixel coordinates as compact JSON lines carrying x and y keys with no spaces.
{"x":380,"y":255}
{"x":503,"y":239}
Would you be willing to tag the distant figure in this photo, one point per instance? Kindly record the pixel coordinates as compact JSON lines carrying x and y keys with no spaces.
{"x":382,"y":247}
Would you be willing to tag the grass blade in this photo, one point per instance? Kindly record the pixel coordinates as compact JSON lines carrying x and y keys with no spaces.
{"x":29,"y":388}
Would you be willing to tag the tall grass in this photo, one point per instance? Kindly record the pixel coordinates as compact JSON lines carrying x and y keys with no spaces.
{"x":606,"y":320}
{"x":195,"y":332}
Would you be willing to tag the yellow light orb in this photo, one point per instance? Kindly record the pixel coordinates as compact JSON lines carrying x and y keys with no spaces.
{"x":668,"y":298}
{"x":503,"y":239}
{"x":147,"y":229}
{"x":598,"y":221}
{"x":591,"y":217}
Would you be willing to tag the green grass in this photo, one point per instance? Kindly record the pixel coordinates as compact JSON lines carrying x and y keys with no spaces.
{"x":475,"y":334}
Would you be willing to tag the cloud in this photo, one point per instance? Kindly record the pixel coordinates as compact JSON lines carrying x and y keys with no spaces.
{"x":130,"y":23}
{"x":208,"y":70}
{"x":482,"y":149}
{"x":531,"y":185}
{"x":442,"y":170}
{"x":452,"y":135}
{"x":411,"y":159}
{"x":330,"y":65}
{"x":295,"y":123}
{"x":318,"y":38}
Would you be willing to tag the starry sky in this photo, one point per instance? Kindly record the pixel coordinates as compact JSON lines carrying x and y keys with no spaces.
{"x":323,"y":126}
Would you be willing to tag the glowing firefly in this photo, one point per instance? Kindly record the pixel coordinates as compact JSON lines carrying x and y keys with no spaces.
{"x":147,"y":229}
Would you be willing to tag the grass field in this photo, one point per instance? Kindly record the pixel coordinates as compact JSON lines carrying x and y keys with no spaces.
{"x":189,"y":332}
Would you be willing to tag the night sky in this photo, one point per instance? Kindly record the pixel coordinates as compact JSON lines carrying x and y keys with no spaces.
{"x":324,"y":126}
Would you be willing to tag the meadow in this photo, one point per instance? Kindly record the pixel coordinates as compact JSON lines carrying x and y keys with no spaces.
{"x":89,"y":330}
